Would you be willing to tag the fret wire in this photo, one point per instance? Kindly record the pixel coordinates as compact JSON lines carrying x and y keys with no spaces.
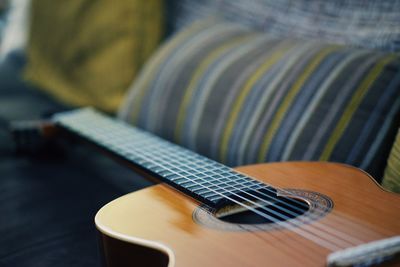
{"x":217,"y":186}
{"x":299,"y":231}
{"x":238,"y":183}
{"x":210,"y":173}
{"x":225,"y":191}
{"x":148,"y":144}
{"x":203,"y":187}
{"x":145,"y":144}
{"x":304,"y":233}
{"x":147,"y":138}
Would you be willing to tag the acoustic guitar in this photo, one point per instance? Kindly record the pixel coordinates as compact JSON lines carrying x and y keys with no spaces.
{"x":207,"y":214}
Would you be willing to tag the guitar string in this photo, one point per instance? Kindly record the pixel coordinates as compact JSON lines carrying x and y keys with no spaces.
{"x":138,"y":151}
{"x":280,"y":215}
{"x":198,"y":183}
{"x":143,"y":132}
{"x":223,"y":189}
{"x":265,"y":187}
{"x":328,"y":244}
{"x":344,"y":237}
{"x":334,"y":217}
{"x":282,"y":243}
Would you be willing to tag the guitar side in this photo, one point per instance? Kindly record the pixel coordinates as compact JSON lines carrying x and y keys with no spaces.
{"x":155,"y":226}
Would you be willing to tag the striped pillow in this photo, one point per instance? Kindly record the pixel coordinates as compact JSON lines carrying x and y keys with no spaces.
{"x":365,"y":23}
{"x":241,"y":97}
{"x":391,"y":180}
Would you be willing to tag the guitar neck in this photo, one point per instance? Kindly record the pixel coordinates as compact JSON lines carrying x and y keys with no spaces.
{"x":212,"y":183}
{"x":197,"y":176}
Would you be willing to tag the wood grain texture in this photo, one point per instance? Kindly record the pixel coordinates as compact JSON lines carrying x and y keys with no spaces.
{"x":159,"y":217}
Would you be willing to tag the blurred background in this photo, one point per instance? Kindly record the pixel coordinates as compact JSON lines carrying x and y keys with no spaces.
{"x":80,"y":52}
{"x":56,"y":55}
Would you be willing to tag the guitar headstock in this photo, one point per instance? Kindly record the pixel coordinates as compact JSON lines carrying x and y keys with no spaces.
{"x":32,"y":137}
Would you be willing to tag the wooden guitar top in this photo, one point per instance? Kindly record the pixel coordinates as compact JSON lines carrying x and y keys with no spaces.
{"x":161,"y":218}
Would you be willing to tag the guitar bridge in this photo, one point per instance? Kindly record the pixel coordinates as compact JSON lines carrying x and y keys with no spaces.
{"x":369,"y":254}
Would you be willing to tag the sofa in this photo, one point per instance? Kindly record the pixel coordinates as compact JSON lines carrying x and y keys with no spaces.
{"x":50,"y":198}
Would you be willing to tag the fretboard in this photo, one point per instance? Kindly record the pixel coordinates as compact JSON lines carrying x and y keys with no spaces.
{"x":203,"y":179}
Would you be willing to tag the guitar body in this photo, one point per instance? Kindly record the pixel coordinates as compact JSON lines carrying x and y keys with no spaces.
{"x":157,"y":226}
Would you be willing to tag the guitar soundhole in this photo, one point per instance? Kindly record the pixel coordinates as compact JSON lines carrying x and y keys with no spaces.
{"x":307,"y":206}
{"x":281,"y":210}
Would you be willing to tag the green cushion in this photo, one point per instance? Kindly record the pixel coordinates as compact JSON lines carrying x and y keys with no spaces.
{"x":391,"y":180}
{"x":86,"y":52}
{"x":241,"y":97}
